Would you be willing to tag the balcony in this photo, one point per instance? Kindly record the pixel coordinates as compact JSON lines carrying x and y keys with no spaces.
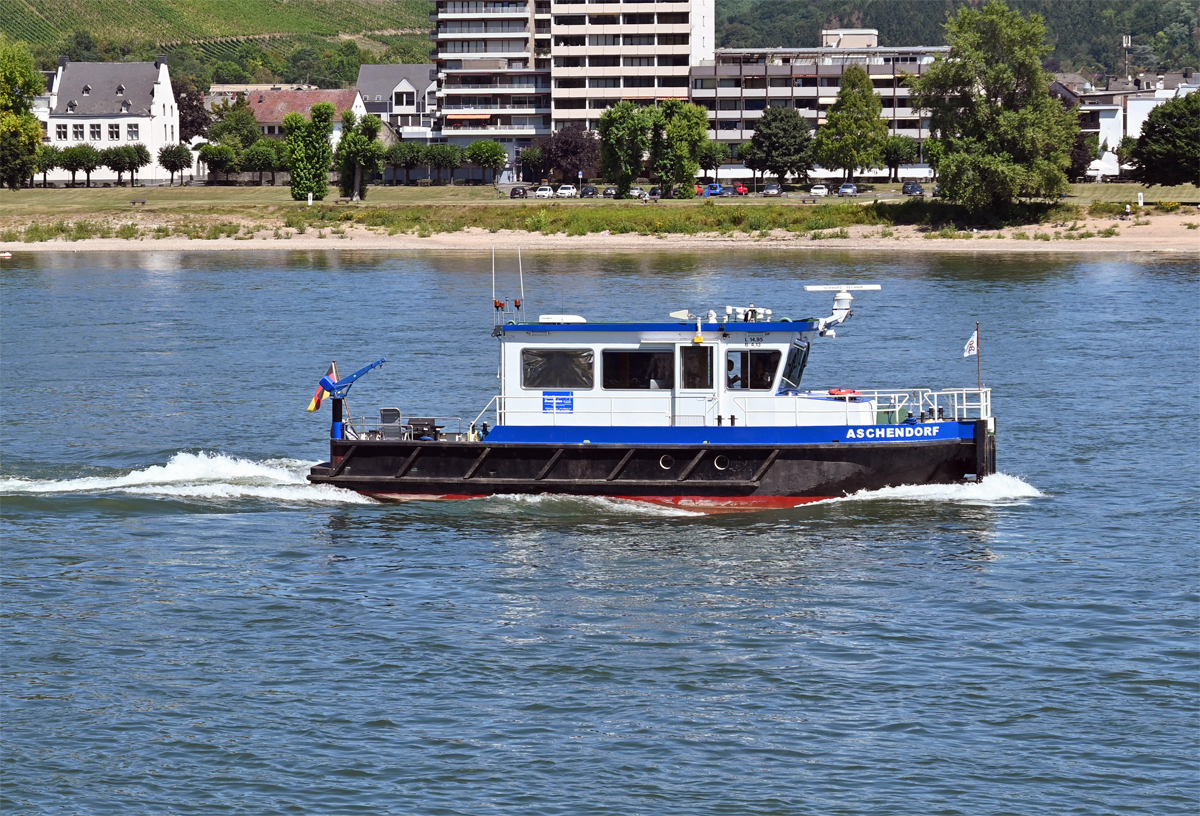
{"x":448,"y":89}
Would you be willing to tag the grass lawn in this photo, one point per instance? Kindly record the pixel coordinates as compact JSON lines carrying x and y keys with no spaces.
{"x":1123,"y":192}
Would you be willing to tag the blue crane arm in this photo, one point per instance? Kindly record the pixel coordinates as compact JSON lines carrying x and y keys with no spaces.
{"x":339,"y":389}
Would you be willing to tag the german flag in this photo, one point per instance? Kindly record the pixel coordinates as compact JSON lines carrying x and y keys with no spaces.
{"x":319,"y":397}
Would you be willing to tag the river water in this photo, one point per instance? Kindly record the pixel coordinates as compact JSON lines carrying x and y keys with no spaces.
{"x":188,"y":627}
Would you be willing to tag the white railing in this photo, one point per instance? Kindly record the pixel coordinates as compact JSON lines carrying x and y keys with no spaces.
{"x":526,"y":88}
{"x":373,"y":428}
{"x":495,"y":107}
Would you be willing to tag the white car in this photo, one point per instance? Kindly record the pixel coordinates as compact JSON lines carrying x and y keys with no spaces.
{"x":637,"y":192}
{"x":819,"y":190}
{"x":567,"y":191}
{"x":544,"y":192}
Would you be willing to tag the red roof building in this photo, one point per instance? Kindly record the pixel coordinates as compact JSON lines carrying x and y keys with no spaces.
{"x":270,"y":107}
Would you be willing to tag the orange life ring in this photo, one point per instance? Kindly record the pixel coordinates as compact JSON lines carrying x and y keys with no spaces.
{"x":845,"y":392}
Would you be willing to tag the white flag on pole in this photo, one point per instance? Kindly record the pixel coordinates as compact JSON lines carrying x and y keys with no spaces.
{"x":972,"y":346}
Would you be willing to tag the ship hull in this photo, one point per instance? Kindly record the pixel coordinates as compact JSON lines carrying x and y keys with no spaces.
{"x":701,"y":476}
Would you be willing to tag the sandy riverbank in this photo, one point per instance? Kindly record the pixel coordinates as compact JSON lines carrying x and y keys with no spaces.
{"x":1161,"y":233}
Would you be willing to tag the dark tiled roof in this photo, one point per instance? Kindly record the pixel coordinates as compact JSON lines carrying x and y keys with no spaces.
{"x":272,"y":106}
{"x":379,"y":80}
{"x":104,"y":79}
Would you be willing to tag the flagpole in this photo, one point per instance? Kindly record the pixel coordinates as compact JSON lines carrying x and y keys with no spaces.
{"x":979,"y":355}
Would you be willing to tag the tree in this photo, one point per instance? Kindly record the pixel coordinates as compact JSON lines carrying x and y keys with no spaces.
{"x":20,"y":133}
{"x":81,"y":47}
{"x":235,"y":124}
{"x":118,"y":159}
{"x":1125,"y":150}
{"x":359,"y":153}
{"x":711,"y":156}
{"x":853,"y":134}
{"x":309,"y":152}
{"x":534,"y":160}
{"x":624,"y":139}
{"x":488,"y":155}
{"x":1002,"y":135}
{"x":220,"y":158}
{"x":898,"y":150}
{"x":260,"y":158}
{"x":783,"y":143}
{"x":409,"y":155}
{"x":677,"y":132}
{"x":1085,"y":151}
{"x":754,"y":160}
{"x":48,"y":157}
{"x":445,"y":157}
{"x":88,"y":159}
{"x":1168,"y":151}
{"x":141,"y":158}
{"x":193,"y":115}
{"x":175,"y":159}
{"x":572,"y":150}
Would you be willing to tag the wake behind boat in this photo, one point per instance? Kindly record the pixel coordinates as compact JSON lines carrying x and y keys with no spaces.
{"x":704,"y":411}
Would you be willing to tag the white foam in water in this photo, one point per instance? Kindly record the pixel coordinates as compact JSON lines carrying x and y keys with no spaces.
{"x":999,"y":488}
{"x":202,"y":476}
{"x":624,"y":507}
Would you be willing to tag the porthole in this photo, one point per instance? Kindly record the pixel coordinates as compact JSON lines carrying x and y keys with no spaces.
{"x":666,"y":462}
{"x":721,"y":462}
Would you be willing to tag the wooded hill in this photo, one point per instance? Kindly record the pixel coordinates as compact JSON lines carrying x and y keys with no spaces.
{"x":1086,"y":34}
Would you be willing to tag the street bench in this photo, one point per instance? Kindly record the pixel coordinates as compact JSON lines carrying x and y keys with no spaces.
{"x":808,"y":199}
{"x":136,"y":201}
{"x":344,"y":200}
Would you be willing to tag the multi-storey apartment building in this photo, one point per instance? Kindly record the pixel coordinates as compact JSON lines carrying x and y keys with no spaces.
{"x":738,"y":84}
{"x":493,"y":71}
{"x":605,"y":51}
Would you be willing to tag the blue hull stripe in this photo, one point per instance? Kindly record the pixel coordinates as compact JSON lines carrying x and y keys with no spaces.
{"x":724,"y":435}
{"x":731,"y":326}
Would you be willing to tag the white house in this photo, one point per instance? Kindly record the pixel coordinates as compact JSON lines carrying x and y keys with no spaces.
{"x":106,"y":104}
{"x":403,"y":96}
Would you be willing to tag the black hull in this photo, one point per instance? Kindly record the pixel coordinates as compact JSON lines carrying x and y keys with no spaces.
{"x":716,"y":476}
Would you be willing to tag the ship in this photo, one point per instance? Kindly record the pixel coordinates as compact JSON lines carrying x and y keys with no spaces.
{"x":703,"y":411}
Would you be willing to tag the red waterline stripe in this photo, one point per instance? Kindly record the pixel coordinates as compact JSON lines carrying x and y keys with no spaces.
{"x":710,"y":503}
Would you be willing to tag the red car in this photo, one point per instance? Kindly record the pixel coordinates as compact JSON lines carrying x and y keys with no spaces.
{"x":741,"y":189}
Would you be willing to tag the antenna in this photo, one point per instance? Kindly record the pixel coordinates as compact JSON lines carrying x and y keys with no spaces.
{"x":521,"y":271}
{"x":857,"y":287}
{"x":493,"y":273}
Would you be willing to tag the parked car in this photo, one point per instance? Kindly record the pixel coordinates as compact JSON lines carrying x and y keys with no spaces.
{"x":609,"y":192}
{"x":740,"y":189}
{"x":912,"y":188}
{"x":772,"y":189}
{"x":727,"y":192}
{"x":589,"y":192}
{"x":637,"y":192}
{"x":848,"y":190}
{"x":567,"y":191}
{"x":656,"y":192}
{"x":937,"y":190}
{"x":819,"y":190}
{"x":711,"y":190}
{"x":699,"y":189}
{"x":544,"y":192}
{"x":518,"y":192}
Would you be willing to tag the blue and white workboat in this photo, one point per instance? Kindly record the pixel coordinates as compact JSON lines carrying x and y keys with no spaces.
{"x":704,"y":411}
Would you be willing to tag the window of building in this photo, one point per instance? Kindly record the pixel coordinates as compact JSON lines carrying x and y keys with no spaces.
{"x":568,"y":62}
{"x":77,"y":132}
{"x":604,"y":82}
{"x":566,"y":41}
{"x":404,"y":99}
{"x":557,"y":368}
{"x":780,"y":103}
{"x":675,"y":18}
{"x":830,"y":82}
{"x":602,"y":104}
{"x":639,"y":82}
{"x":639,"y":19}
{"x":631,"y":62}
{"x":87,"y":90}
{"x":753,"y":370}
{"x":120,"y":90}
{"x":672,"y":60}
{"x":570,"y":19}
{"x":697,"y":365}
{"x":674,"y":39}
{"x":94,"y":133}
{"x":707,"y":104}
{"x":131,"y":132}
{"x":672,"y":82}
{"x":60,"y":132}
{"x":754,"y":82}
{"x":604,"y":62}
{"x":729,"y":124}
{"x":729,"y":82}
{"x":883,"y":83}
{"x":114,"y":133}
{"x":729,"y":104}
{"x":570,"y":104}
{"x":604,"y":39}
{"x":780,"y":82}
{"x":748,"y":124}
{"x":569,"y":82}
{"x":639,"y":39}
{"x":604,"y":19}
{"x":804,"y":82}
{"x":754,"y":104}
{"x":638,"y":369}
{"x":806,"y":104}
{"x":704,"y":83}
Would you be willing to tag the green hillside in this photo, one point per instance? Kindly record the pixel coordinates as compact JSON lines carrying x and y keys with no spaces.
{"x":162,"y":21}
{"x":1086,"y":34}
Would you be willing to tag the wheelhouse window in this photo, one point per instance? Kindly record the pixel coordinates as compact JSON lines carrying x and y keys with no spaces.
{"x":636,"y":370}
{"x":797,"y":359}
{"x":752,"y":370}
{"x":697,"y":365}
{"x":557,"y":368}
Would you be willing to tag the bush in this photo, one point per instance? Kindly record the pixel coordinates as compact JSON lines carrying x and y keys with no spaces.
{"x":1167,"y":206}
